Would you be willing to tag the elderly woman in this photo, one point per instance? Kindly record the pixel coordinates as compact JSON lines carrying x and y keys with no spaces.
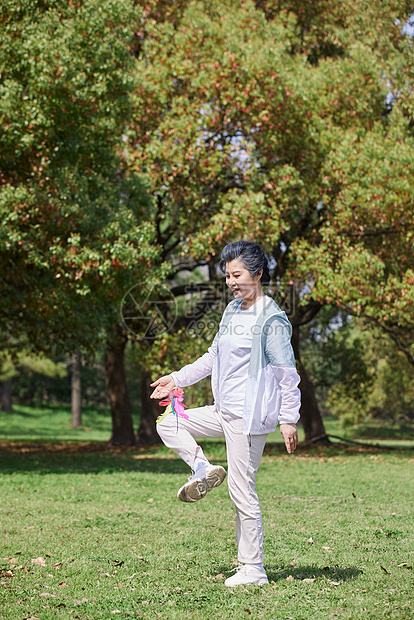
{"x":255,"y":387}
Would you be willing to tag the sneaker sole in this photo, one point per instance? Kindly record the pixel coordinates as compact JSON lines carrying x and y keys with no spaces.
{"x":192,"y":491}
{"x":215,"y":477}
{"x":259,"y":582}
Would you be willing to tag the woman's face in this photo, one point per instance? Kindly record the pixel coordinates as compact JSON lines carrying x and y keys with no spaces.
{"x":241,"y":282}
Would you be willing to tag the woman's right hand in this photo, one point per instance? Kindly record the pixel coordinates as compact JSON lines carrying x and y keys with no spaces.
{"x":163,"y":386}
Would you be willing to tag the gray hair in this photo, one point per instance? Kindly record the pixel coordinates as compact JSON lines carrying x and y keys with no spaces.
{"x":250,"y":255}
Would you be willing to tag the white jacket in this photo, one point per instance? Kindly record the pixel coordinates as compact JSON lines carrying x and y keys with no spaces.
{"x":272,"y":393}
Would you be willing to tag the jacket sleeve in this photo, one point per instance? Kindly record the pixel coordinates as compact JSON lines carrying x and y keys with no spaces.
{"x":279,"y":352}
{"x":288,"y":381}
{"x":198,"y":370}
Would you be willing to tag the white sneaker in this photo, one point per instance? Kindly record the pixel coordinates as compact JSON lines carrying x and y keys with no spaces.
{"x":247,"y":574}
{"x":203,"y":480}
{"x":213,"y":475}
{"x":193,"y":490}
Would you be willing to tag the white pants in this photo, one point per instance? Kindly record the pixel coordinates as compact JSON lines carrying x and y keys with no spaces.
{"x":244,"y":453}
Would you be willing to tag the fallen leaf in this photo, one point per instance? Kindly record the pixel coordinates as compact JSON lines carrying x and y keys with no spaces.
{"x":219,"y":576}
{"x":308,"y":580}
{"x":47,"y":594}
{"x":62,"y":584}
{"x":58,"y":565}
{"x":310,"y":540}
{"x":384,"y":569}
{"x":116,"y":611}
{"x":150,"y":500}
{"x":9,"y":573}
{"x":290,"y":578}
{"x":39,"y":561}
{"x":61,"y":605}
{"x":406,"y":565}
{"x":78,"y":602}
{"x":327,"y":548}
{"x":335,"y":583}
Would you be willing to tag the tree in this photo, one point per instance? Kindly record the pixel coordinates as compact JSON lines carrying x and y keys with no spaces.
{"x":376,"y":383}
{"x":256,"y":119}
{"x":364,"y":259}
{"x":75,"y":233}
{"x":360,"y":374}
{"x":76,"y":390}
{"x":6,"y":395}
{"x":22,"y":359}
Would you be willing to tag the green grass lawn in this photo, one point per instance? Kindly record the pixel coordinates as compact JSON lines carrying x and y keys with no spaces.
{"x":52,"y":423}
{"x":115,"y":541}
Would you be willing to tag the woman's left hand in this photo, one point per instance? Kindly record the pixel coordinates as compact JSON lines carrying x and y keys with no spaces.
{"x":289,"y":433}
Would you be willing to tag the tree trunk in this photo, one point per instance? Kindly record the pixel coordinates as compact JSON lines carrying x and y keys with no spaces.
{"x":6,"y":396}
{"x":122,"y":426}
{"x":309,"y":410}
{"x":150,"y":410}
{"x":76,"y":390}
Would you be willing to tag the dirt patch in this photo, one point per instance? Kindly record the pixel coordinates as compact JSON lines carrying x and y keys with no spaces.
{"x":64,"y":447}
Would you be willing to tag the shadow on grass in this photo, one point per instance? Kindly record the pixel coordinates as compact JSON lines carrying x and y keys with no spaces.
{"x":95,"y":457}
{"x":335,"y":574}
{"x":378,"y":431}
{"x":331,"y":573}
{"x":91,"y":463}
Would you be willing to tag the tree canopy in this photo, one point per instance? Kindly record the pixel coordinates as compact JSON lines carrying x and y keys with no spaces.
{"x":292,"y":125}
{"x":74,"y":231}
